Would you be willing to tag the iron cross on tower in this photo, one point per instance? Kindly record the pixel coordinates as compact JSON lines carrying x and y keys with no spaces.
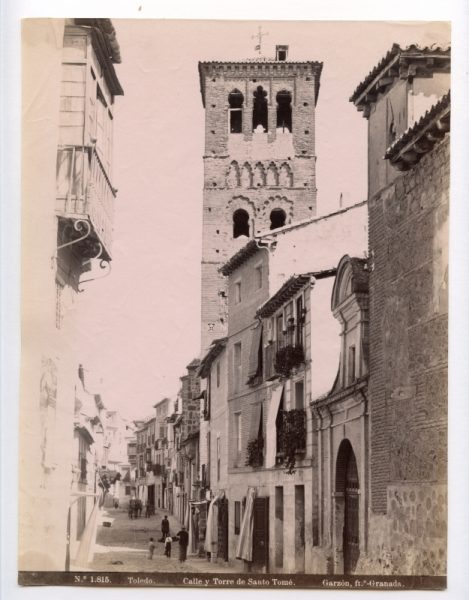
{"x":259,"y":35}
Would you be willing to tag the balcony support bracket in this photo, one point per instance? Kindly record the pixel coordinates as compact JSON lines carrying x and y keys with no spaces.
{"x":78,"y":225}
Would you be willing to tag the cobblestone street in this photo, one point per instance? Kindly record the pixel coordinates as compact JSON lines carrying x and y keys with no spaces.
{"x":124,"y":547}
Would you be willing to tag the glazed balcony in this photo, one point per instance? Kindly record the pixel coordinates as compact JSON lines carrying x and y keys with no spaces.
{"x":85,"y":200}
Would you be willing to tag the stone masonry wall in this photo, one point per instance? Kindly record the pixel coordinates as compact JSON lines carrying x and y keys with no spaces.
{"x":408,"y":327}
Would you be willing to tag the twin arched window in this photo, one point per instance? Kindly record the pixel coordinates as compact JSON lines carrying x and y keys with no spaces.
{"x":260,"y":121}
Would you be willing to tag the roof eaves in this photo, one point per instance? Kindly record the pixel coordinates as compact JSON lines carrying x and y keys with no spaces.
{"x":214,"y":351}
{"x":240,"y":257}
{"x":397,"y":63}
{"x":419,"y":139}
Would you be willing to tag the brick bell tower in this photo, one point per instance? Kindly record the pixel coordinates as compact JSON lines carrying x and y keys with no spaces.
{"x":259,"y":161}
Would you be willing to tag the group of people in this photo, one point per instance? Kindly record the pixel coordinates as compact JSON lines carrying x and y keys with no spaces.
{"x":182,"y":537}
{"x":135,"y":508}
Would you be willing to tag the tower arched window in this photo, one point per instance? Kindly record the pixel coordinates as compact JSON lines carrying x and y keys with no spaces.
{"x":284,"y":120}
{"x":259,"y":110}
{"x":277,"y":218}
{"x":240,"y":223}
{"x":235,"y":100}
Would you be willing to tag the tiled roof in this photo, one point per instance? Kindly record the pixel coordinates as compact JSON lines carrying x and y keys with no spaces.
{"x":240,"y":257}
{"x":107,"y":49}
{"x":214,"y":350}
{"x":397,"y":63}
{"x":419,"y":139}
{"x":289,"y":289}
{"x":194,"y":363}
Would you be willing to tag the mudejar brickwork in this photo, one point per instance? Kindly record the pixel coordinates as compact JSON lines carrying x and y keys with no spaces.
{"x":259,"y":161}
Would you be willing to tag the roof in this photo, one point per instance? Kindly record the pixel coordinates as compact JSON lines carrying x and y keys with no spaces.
{"x":403,"y":62}
{"x":419,"y":139}
{"x":161,"y":402}
{"x":240,"y":257}
{"x":106,"y":46}
{"x":215,"y":349}
{"x":289,"y":289}
{"x":259,"y":66}
{"x":193,"y":364}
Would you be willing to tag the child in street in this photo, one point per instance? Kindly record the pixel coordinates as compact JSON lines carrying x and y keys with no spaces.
{"x":151,"y":548}
{"x":167,"y":546}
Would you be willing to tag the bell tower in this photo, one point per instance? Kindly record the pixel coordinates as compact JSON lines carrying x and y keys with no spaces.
{"x":259,"y":161}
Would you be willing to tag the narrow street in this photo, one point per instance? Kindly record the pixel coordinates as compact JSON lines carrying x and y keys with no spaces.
{"x":124,"y":547}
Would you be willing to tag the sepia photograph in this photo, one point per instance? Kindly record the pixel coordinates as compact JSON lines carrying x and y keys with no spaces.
{"x":234,"y":303}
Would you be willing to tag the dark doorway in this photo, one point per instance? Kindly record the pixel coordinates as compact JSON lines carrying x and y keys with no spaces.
{"x":240,"y":223}
{"x":223,"y":529}
{"x":151,"y":495}
{"x":277,"y":218}
{"x":347,"y":483}
{"x":260,"y":538}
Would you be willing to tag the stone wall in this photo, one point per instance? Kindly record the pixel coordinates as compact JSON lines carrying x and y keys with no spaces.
{"x":411,"y":538}
{"x":408,"y":225}
{"x":408,"y":327}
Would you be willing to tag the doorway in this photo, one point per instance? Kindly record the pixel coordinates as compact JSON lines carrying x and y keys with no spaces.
{"x":347,"y":510}
{"x":260,"y":538}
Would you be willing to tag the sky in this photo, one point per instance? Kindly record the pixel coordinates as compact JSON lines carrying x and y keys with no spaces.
{"x":144,"y":318}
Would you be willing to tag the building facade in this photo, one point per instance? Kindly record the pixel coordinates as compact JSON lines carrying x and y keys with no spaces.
{"x":408,"y":311}
{"x":67,"y":216}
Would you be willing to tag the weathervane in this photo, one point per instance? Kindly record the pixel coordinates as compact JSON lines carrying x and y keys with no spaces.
{"x":259,"y":35}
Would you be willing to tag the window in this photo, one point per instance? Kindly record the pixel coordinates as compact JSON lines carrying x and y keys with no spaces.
{"x":351,"y":365}
{"x":277,"y":218}
{"x":258,"y":277}
{"x":299,"y":394}
{"x":284,"y":120}
{"x":237,"y":292}
{"x":240,"y":223}
{"x":237,"y":366}
{"x":235,"y":100}
{"x":237,"y":423}
{"x":218,"y":458}
{"x":259,"y":111}
{"x":82,"y":461}
{"x":299,"y":321}
{"x":218,"y":374}
{"x":237,"y":517}
{"x":279,"y":327}
{"x":281,"y":53}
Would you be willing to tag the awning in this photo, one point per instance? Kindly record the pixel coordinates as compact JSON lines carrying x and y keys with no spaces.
{"x":211,"y":533}
{"x":254,"y":355}
{"x":256,"y":411}
{"x":244,"y":547}
{"x":271,"y":429}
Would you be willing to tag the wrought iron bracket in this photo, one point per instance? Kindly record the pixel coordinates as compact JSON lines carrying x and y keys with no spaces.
{"x":77,"y":225}
{"x":103,"y":264}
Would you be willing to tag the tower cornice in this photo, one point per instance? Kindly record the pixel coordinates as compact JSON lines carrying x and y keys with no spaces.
{"x":260,"y":68}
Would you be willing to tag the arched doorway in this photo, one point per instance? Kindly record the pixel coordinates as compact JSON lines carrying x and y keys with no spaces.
{"x":347,"y":508}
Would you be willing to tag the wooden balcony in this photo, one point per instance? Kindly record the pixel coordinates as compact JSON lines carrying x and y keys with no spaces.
{"x":85,"y":193}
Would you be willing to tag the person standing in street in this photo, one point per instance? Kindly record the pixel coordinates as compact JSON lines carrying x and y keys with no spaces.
{"x":183,"y":538}
{"x":167,"y":546}
{"x":151,"y":548}
{"x":164,"y":528}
